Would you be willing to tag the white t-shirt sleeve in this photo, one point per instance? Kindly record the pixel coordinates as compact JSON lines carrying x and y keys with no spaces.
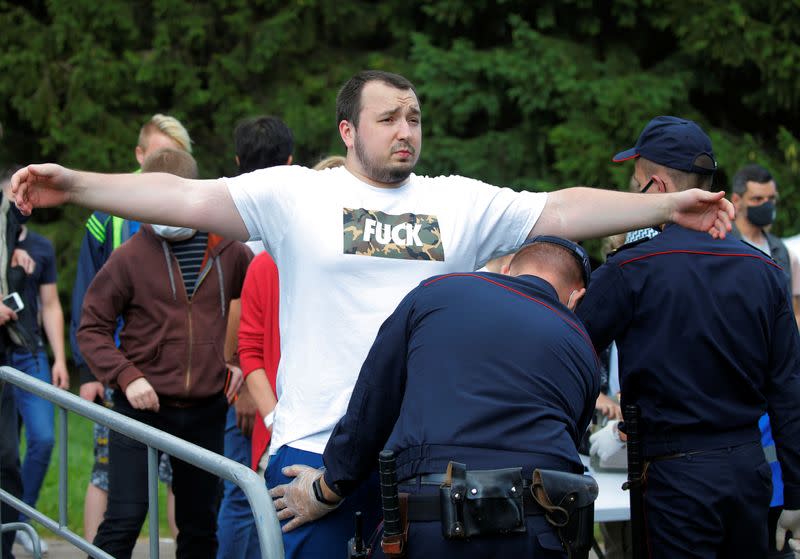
{"x":501,"y":218}
{"x":265,"y":200}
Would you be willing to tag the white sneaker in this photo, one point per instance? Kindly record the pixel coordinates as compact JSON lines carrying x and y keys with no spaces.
{"x":24,"y":539}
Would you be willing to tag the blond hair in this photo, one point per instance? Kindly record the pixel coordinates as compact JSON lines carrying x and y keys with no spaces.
{"x":170,"y":127}
{"x":330,"y":162}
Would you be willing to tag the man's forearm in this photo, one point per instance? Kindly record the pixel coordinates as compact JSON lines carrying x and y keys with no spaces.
{"x":232,"y":330}
{"x":161,"y":198}
{"x":583,"y":213}
{"x":261,"y":391}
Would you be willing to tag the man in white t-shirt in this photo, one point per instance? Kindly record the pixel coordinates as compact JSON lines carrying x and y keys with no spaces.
{"x":350,"y":242}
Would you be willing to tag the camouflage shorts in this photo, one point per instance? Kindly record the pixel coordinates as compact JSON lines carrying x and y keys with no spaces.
{"x":99,"y":477}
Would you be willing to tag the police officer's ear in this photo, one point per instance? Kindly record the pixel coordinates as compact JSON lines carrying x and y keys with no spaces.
{"x":575,"y":298}
{"x":660,"y":184}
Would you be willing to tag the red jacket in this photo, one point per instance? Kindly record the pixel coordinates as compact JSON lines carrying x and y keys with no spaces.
{"x":259,"y":336}
{"x":174,"y":342}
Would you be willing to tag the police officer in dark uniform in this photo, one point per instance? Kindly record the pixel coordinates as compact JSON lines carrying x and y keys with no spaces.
{"x":707,"y":344}
{"x":486,"y":370}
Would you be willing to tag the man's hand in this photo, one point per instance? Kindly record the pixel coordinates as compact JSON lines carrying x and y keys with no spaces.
{"x":6,"y":314}
{"x":92,"y":391}
{"x":296,"y":501}
{"x":233,"y":383}
{"x":141,"y":395}
{"x":703,"y":211}
{"x":608,"y":407}
{"x":789,"y":521}
{"x":245,"y":411}
{"x":41,"y":186}
{"x":21,"y":258}
{"x":60,"y":375}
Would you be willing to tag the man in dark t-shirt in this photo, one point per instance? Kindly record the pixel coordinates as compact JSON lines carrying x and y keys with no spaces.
{"x":42,"y":314}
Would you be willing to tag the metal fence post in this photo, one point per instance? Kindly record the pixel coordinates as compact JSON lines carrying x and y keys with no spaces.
{"x":253,"y":486}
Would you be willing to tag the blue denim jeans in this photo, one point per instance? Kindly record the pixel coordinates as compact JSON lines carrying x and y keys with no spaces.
{"x":328,"y":536}
{"x":236,"y":526}
{"x":37,"y":416}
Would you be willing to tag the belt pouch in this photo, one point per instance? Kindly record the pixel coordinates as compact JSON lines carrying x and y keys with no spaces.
{"x":568,"y":501}
{"x":481,"y":502}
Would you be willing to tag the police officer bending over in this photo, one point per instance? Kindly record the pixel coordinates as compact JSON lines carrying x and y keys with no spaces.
{"x":707,"y":344}
{"x":474,"y":371}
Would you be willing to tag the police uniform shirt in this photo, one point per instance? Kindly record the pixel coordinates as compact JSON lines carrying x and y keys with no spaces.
{"x":483,"y":369}
{"x":707,"y":343}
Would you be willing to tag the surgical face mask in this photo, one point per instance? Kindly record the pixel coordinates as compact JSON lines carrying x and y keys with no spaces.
{"x":762,"y":215}
{"x":174,"y":233}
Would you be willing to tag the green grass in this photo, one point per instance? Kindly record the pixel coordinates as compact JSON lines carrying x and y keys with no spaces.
{"x":80,"y":457}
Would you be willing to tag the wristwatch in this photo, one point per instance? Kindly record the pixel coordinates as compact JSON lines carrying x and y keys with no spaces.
{"x":319,"y":495}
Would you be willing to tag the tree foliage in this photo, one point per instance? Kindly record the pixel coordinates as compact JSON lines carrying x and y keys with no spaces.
{"x":536,"y":95}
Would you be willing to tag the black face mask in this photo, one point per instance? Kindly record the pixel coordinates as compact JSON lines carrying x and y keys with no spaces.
{"x":762,"y":215}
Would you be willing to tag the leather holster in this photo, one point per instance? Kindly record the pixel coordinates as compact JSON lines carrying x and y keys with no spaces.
{"x":568,"y":501}
{"x":481,"y":502}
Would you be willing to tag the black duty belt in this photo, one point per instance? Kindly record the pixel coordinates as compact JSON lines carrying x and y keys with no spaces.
{"x":428,"y":508}
{"x":690,"y":453}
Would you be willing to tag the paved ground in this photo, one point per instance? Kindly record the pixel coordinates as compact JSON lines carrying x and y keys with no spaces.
{"x":60,"y":549}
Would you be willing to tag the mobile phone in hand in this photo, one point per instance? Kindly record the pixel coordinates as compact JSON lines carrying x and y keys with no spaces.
{"x":14,"y":302}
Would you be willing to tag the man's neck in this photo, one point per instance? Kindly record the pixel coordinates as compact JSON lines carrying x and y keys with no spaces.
{"x":357,"y":172}
{"x":751,"y":232}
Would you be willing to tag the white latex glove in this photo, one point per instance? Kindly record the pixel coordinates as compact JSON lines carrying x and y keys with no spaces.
{"x":789,"y":521}
{"x":296,"y":501}
{"x":605,"y":443}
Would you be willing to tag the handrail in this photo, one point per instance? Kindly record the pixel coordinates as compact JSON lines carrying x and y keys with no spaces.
{"x":253,"y":486}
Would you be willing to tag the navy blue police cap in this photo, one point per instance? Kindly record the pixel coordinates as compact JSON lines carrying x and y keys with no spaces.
{"x":675,"y":143}
{"x":575,"y":249}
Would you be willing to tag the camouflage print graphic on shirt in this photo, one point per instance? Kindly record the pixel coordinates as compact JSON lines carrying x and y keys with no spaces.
{"x":405,"y":236}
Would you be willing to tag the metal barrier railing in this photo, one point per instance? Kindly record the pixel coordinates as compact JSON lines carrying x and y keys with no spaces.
{"x":267,"y":525}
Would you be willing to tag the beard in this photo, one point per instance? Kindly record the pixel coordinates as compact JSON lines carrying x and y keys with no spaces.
{"x":386,"y":173}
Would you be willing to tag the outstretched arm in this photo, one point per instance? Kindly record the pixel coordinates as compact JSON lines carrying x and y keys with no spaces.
{"x":583,"y":213}
{"x":149,"y":197}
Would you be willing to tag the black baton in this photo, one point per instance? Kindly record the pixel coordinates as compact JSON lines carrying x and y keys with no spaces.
{"x":387,"y":468}
{"x":392,"y":543}
{"x":635,"y":480}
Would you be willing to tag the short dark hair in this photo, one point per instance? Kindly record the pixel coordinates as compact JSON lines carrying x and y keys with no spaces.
{"x":261,"y":142}
{"x":750,"y":173}
{"x":547,"y":256}
{"x":348,"y":102}
{"x":173,"y":161}
{"x":683,"y":180}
